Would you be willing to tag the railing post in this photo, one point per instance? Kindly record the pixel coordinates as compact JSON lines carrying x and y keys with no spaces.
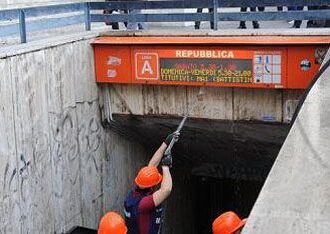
{"x":215,"y":14}
{"x":87,"y":17}
{"x":22,"y":26}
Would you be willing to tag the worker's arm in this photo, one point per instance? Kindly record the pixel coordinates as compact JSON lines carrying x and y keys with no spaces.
{"x":165,"y":188}
{"x":157,"y":157}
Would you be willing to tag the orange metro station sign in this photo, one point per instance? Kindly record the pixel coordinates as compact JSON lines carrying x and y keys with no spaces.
{"x":198,"y":62}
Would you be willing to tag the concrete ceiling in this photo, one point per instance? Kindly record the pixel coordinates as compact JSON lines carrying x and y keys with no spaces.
{"x":221,"y":149}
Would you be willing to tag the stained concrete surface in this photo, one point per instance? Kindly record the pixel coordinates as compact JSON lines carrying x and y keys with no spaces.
{"x":53,"y":131}
{"x":220,"y":149}
{"x":218,"y":165}
{"x":218,"y":103}
{"x":295,"y":197}
{"x":59,"y":167}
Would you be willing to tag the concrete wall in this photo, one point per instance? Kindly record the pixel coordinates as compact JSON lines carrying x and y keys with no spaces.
{"x":59,"y":167}
{"x":204,"y":102}
{"x":295,"y":197}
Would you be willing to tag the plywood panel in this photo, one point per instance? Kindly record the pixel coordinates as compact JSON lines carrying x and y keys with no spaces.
{"x":204,"y":102}
{"x":257,"y":104}
{"x":200,"y":102}
{"x":126,"y":99}
{"x":209,"y":102}
{"x":164,"y":100}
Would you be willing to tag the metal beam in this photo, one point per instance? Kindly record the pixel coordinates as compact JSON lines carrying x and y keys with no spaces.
{"x":152,"y":17}
{"x":87,"y":17}
{"x":273,"y":16}
{"x":130,"y":5}
{"x":22,"y":26}
{"x":223,"y":16}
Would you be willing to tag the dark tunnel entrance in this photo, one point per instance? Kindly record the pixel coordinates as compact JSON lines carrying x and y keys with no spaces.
{"x":218,"y":165}
{"x":214,"y":196}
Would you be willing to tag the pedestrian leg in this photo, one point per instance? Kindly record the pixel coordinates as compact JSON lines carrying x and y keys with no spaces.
{"x":198,"y":23}
{"x":327,"y":21}
{"x":297,"y":23}
{"x":312,"y":23}
{"x":212,"y":23}
{"x":242,"y":24}
{"x":126,"y":12}
{"x":254,"y":23}
{"x":136,"y":25}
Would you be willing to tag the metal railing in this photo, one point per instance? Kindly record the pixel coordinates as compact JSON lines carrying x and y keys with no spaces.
{"x":30,"y":19}
{"x":14,"y":21}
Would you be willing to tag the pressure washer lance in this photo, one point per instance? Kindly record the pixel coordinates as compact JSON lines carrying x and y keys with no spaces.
{"x":169,"y":148}
{"x":168,"y":152}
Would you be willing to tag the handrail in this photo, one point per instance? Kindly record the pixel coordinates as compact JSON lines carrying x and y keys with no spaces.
{"x":180,"y":4}
{"x":11,"y":14}
{"x":20,"y":15}
{"x":86,"y":12}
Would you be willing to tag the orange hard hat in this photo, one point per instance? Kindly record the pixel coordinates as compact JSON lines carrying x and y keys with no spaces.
{"x":227,"y":223}
{"x":112,"y":223}
{"x":148,"y":177}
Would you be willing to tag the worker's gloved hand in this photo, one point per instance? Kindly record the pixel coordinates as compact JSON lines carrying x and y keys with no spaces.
{"x":170,"y":137}
{"x":167,"y":161}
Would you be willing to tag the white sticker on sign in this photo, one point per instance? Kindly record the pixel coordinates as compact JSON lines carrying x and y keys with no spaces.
{"x":114,"y":61}
{"x":112,"y":73}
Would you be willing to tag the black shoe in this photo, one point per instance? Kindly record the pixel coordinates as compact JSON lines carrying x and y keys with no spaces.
{"x":197,"y":26}
{"x":242,"y":26}
{"x":315,"y":24}
{"x":310,"y":24}
{"x":327,"y":24}
{"x":296,"y":24}
{"x":255,"y":24}
{"x":115,"y":26}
